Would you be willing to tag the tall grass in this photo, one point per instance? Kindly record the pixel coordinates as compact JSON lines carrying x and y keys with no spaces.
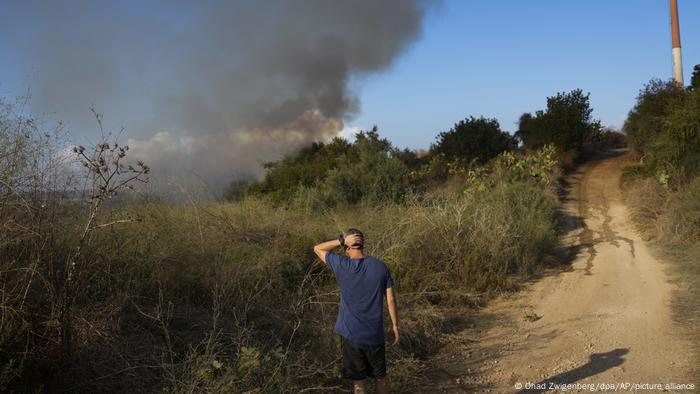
{"x":671,"y":221}
{"x":145,"y":296}
{"x":664,"y":188}
{"x":230,"y":297}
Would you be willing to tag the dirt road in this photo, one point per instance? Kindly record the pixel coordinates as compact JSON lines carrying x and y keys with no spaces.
{"x":605,"y":321}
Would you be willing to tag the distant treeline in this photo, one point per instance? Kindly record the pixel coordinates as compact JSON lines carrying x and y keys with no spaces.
{"x":372,"y":169}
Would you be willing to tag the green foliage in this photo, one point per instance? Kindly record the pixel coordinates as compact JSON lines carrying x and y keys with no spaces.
{"x":412,"y":159}
{"x":664,"y":189}
{"x":304,"y":169}
{"x":695,"y":79}
{"x":645,"y":121}
{"x":567,"y":123}
{"x":607,"y":138}
{"x":436,"y":170}
{"x":473,"y":140}
{"x":375,"y":175}
{"x":676,"y":150}
{"x":339,"y":173}
{"x":539,"y":169}
{"x":477,"y":241}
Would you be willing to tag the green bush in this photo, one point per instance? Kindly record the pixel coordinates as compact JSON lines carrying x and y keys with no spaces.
{"x":645,"y":121}
{"x":302,"y":169}
{"x":374,"y":174}
{"x":566,"y":122}
{"x":338,"y":173}
{"x":473,"y":140}
{"x":676,"y":149}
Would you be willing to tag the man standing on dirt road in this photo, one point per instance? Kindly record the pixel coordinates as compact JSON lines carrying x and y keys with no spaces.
{"x":364,"y":281}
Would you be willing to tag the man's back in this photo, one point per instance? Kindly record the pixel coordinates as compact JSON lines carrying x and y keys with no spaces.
{"x":363,"y":283}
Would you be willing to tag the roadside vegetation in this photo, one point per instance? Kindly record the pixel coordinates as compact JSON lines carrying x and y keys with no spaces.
{"x":663,"y":185}
{"x":106,"y":289}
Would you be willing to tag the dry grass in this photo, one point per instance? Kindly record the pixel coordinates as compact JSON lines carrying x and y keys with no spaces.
{"x":143,"y":296}
{"x":672,"y":221}
{"x":229,"y":296}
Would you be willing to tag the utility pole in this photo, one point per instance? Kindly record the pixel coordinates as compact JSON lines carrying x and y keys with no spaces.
{"x":676,"y":43}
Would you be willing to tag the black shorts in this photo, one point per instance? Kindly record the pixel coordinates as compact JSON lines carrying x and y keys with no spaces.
{"x":362,"y":361}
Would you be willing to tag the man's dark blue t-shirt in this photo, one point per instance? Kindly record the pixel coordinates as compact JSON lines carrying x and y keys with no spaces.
{"x":363,"y":283}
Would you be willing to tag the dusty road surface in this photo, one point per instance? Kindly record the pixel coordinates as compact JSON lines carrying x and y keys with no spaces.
{"x":602,"y":324}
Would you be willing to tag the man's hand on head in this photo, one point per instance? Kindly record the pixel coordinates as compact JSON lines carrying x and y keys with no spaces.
{"x":352,"y":239}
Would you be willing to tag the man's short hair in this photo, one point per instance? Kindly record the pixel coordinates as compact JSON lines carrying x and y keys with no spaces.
{"x":361,"y":243}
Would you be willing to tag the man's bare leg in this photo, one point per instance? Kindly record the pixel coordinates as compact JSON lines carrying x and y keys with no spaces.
{"x":382,"y":385}
{"x":358,"y":387}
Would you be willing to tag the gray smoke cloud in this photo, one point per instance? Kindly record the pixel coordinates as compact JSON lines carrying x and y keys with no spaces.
{"x":210,"y":88}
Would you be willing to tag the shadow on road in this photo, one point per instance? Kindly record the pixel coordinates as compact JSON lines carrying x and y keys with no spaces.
{"x":597,"y":363}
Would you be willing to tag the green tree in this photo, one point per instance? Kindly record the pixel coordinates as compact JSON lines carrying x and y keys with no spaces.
{"x":695,"y":79}
{"x":371,"y":170}
{"x":676,"y":150}
{"x":645,"y":121}
{"x":567,"y":123}
{"x":473,"y":139}
{"x":338,"y":172}
{"x":304,"y":168}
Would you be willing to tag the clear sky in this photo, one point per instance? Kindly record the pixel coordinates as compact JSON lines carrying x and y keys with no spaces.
{"x":204,"y":68}
{"x":500,"y":58}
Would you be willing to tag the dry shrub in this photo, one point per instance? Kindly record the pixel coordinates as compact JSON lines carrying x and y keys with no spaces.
{"x":672,"y":220}
{"x":680,"y":222}
{"x":647,"y":201}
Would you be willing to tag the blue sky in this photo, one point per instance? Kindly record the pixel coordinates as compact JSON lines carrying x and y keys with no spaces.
{"x":500,"y":58}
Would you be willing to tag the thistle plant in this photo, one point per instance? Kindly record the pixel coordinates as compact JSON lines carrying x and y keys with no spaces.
{"x":107,"y":174}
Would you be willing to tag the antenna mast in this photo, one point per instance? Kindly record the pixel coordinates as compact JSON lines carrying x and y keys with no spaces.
{"x":676,"y":43}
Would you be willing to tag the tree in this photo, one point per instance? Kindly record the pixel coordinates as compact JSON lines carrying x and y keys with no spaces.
{"x":478,"y":139}
{"x":567,"y":123}
{"x":370,"y":170}
{"x":304,"y":168}
{"x":695,"y":79}
{"x":676,"y":150}
{"x":645,"y":121}
{"x":339,"y":172}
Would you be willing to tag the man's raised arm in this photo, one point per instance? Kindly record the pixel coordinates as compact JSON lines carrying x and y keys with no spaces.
{"x":325,"y":247}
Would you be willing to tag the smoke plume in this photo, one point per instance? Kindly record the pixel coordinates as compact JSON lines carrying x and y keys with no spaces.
{"x":210,"y":88}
